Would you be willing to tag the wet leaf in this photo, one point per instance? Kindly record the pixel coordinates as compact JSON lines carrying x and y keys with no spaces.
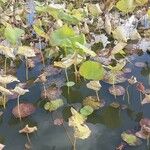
{"x":131,"y":139}
{"x":28,"y":129}
{"x":53,"y":105}
{"x":117,"y":90}
{"x":86,"y":110}
{"x":91,"y":70}
{"x":94,"y":85}
{"x":26,"y":109}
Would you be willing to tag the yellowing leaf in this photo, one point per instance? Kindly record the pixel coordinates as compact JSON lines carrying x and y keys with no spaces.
{"x":120,"y":34}
{"x":7,"y":51}
{"x":76,"y":119}
{"x":141,"y":2}
{"x":5,"y":79}
{"x":94,"y":85}
{"x":82,"y":132}
{"x":126,"y":6}
{"x":118,"y":48}
{"x":28,"y":129}
{"x":26,"y":51}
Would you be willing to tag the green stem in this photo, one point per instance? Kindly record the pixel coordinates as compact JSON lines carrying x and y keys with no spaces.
{"x":128,"y":96}
{"x":40,"y":45}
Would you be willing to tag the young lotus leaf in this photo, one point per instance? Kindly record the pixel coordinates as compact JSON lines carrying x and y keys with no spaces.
{"x":85,"y":49}
{"x":126,"y":6}
{"x":94,"y":85}
{"x":7,"y":51}
{"x":70,"y":83}
{"x":28,"y":129}
{"x":26,"y":51}
{"x":131,"y":139}
{"x":86,"y":110}
{"x":13,"y":34}
{"x":91,"y":70}
{"x":61,"y":36}
{"x":53,"y":105}
{"x":6,"y":79}
{"x":82,"y":132}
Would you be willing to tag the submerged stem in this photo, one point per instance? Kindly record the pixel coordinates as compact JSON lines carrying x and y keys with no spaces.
{"x":18,"y":104}
{"x":45,"y":93}
{"x":128,"y":96}
{"x":74,"y":143}
{"x":40,"y":45}
{"x":28,"y":138}
{"x":26,"y":70}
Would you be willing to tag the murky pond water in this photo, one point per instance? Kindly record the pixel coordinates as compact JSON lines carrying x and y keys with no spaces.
{"x":106,"y":124}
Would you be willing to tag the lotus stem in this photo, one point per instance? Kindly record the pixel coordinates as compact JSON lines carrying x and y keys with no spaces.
{"x":66,"y":73}
{"x":97,"y":96}
{"x":4,"y":101}
{"x":76,"y":72}
{"x":45,"y":93}
{"x":27,"y":70}
{"x":128,"y":96}
{"x":140,"y":96}
{"x":148,"y":141}
{"x":18,"y":104}
{"x":40,"y":45}
{"x":66,"y":130}
{"x":5,"y":66}
{"x":28,"y":138}
{"x":113,"y":77}
{"x":74,"y":143}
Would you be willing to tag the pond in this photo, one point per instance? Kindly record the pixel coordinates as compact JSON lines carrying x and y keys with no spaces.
{"x":106,"y":124}
{"x":81,"y":70}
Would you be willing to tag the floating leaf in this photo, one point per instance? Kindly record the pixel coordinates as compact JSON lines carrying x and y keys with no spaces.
{"x":94,"y":85}
{"x":86,"y":110}
{"x":92,"y":70}
{"x":131,"y":139}
{"x":26,"y":109}
{"x":92,"y":102}
{"x":117,"y":90}
{"x":82,"y":132}
{"x":53,"y":105}
{"x":76,"y":119}
{"x":28,"y":129}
